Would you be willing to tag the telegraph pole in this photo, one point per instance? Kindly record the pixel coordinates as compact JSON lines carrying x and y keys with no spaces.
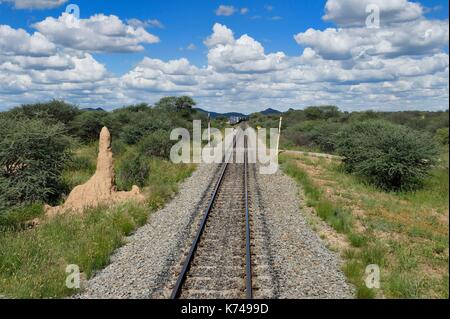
{"x":209,"y":128}
{"x":279,"y":135}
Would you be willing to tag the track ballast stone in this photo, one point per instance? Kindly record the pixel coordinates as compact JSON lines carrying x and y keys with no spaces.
{"x":291,"y":259}
{"x":139,"y":268}
{"x":301,"y":264}
{"x":218,"y":267}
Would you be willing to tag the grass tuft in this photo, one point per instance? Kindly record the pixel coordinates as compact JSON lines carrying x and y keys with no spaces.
{"x":357,"y":240}
{"x":340,"y":219}
{"x":406,"y":285}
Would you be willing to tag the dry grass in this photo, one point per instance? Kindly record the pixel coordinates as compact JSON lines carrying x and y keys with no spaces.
{"x":406,"y":234}
{"x":33,"y":262}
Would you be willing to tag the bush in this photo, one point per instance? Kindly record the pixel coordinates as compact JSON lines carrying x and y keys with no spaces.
{"x":321,"y":112}
{"x":134,"y":123}
{"x":33,"y":154}
{"x":442,"y":136}
{"x":132,"y":169}
{"x":156,"y":144}
{"x":296,"y":137}
{"x":319,"y":134}
{"x":391,"y":156}
{"x":144,"y":124}
{"x":88,"y":124}
{"x":16,"y":218}
{"x":58,"y":111}
{"x":174,"y":102}
{"x":118,"y":147}
{"x":324,"y":135}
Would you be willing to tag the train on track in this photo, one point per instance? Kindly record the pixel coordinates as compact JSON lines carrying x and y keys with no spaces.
{"x":234,"y":120}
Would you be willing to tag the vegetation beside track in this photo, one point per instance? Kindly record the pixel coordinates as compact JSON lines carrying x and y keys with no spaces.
{"x":405,"y":233}
{"x":33,"y":261}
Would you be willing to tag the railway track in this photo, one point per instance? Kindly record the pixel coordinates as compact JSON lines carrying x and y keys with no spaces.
{"x":219,"y":262}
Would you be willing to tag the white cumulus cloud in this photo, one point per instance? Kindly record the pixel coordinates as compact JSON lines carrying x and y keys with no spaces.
{"x":402,"y":65}
{"x":35,"y":4}
{"x":224,"y":10}
{"x":411,"y":38}
{"x":19,"y":42}
{"x":99,"y":33}
{"x":353,"y":12}
{"x":244,"y":55}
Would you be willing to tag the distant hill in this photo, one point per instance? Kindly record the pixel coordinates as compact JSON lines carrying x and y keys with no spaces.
{"x":270,"y":111}
{"x":215,"y":114}
{"x":99,"y":109}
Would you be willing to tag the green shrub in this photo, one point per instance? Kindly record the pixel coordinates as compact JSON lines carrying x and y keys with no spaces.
{"x":17,"y":217}
{"x":57,"y":111}
{"x":321,"y":112}
{"x":176,"y":103}
{"x":163,"y":180}
{"x":293,"y":137}
{"x":33,"y":154}
{"x":118,"y":147}
{"x":137,"y":122}
{"x":132,"y":169}
{"x":156,"y":144}
{"x":132,"y":133}
{"x":442,"y":135}
{"x":144,"y":124}
{"x":324,"y":135}
{"x":391,"y":156}
{"x":88,"y":124}
{"x":317,"y":134}
{"x":81,"y":162}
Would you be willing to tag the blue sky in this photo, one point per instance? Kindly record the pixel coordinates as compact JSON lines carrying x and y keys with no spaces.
{"x":184,"y":26}
{"x":187,"y":22}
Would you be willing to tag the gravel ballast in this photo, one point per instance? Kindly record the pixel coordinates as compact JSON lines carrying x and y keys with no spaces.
{"x":139,"y":268}
{"x":298,"y":263}
{"x":301,"y":264}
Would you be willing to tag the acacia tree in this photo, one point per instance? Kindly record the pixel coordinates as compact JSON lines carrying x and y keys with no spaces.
{"x":55,"y":111}
{"x":33,"y":154}
{"x":393,"y":157}
{"x":88,"y":124}
{"x":176,"y":103}
{"x":185,"y":103}
{"x":167,"y":103}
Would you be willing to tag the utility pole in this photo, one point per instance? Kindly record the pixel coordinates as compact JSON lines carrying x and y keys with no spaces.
{"x":279,"y":135}
{"x":209,"y":128}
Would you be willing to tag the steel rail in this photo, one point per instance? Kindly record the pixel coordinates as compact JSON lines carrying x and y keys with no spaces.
{"x":248,"y":256}
{"x":182,"y":277}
